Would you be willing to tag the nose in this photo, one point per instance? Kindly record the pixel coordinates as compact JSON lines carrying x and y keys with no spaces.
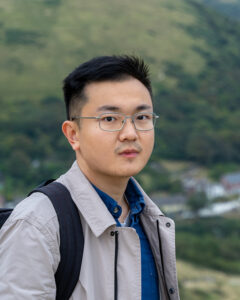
{"x":128,"y":132}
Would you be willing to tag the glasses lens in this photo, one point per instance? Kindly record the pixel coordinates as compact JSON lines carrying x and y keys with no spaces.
{"x":144,"y":121}
{"x":111,"y":121}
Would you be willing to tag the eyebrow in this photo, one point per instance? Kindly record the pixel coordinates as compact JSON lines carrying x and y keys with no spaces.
{"x":116,"y":108}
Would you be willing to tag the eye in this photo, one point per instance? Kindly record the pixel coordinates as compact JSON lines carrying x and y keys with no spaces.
{"x":143,"y":117}
{"x":108,"y":119}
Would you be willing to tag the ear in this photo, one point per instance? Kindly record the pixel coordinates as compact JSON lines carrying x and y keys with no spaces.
{"x":71,"y":132}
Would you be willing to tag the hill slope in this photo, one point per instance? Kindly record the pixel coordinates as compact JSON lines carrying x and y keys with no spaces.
{"x":230,"y":8}
{"x":43,"y":40}
{"x":193,"y":54}
{"x":198,"y":283}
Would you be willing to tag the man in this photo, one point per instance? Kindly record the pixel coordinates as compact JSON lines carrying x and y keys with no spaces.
{"x":129,"y":251}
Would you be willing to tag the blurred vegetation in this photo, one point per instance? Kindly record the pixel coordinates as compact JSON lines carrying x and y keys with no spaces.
{"x":32,"y":147}
{"x":216,"y":171}
{"x":229,"y":8}
{"x":202,"y":283}
{"x":196,"y":202}
{"x":157,"y":178}
{"x":210,"y":242}
{"x":193,"y":54}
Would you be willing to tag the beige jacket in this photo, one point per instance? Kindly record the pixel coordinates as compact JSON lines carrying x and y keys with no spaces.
{"x":29,"y":248}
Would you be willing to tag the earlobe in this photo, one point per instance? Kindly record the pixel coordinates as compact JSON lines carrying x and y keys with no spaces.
{"x":70,"y":130}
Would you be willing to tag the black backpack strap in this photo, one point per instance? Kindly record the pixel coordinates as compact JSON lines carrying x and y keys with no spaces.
{"x":4,"y":214}
{"x":71,"y":237}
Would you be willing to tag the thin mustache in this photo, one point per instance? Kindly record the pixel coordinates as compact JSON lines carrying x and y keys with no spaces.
{"x":122,"y":148}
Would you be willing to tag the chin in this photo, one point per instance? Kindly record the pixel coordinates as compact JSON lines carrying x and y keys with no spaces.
{"x":129,"y":172}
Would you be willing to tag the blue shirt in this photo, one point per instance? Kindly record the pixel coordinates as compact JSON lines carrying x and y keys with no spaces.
{"x":136,"y":203}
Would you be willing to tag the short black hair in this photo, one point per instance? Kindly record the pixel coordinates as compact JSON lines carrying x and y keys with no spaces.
{"x":102,"y":68}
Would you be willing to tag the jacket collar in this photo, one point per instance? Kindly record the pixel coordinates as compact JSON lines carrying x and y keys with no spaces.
{"x":91,"y":205}
{"x":87,"y":200}
{"x":151,"y":208}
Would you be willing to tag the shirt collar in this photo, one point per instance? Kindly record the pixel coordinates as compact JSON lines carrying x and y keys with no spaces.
{"x":88,"y":201}
{"x":134,"y":197}
{"x":111,"y":204}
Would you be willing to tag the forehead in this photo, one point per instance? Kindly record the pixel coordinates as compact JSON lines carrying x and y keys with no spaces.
{"x":124,"y":95}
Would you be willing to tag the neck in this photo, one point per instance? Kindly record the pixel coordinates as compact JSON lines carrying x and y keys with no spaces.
{"x":113,"y":186}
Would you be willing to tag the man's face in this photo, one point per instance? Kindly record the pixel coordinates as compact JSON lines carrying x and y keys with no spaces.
{"x":114,"y":154}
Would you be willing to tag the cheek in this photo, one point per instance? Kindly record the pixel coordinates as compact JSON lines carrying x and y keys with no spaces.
{"x":96,"y":145}
{"x":148,"y":142}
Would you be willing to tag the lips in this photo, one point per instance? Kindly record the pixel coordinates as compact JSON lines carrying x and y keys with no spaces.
{"x":129,"y":153}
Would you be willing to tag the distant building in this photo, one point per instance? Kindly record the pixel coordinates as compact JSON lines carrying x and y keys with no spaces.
{"x":215,"y":190}
{"x":170,"y":204}
{"x":218,"y":209}
{"x":231,"y":183}
{"x":202,"y":185}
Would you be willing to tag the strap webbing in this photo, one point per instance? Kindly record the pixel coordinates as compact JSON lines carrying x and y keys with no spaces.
{"x":71,"y":238}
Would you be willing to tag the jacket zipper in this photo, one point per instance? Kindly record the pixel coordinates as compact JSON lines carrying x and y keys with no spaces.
{"x":115,"y":233}
{"x":160,"y":248}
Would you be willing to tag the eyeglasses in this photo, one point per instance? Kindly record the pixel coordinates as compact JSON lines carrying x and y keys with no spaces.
{"x":143,"y":121}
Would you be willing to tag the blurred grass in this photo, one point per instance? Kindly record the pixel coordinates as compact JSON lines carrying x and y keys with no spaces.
{"x":198,"y":283}
{"x":41,"y":42}
{"x":210,"y":242}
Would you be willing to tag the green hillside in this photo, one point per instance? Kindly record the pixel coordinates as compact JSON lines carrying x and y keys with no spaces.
{"x":230,"y":8}
{"x":198,"y":283}
{"x":41,"y":41}
{"x":193,"y":54}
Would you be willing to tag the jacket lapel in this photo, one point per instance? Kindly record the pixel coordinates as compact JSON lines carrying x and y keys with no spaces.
{"x":88,"y":202}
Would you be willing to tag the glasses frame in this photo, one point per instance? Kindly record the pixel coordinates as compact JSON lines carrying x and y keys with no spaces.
{"x":155,"y":117}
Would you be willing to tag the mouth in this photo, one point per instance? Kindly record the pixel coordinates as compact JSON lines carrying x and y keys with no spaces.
{"x":129,"y":153}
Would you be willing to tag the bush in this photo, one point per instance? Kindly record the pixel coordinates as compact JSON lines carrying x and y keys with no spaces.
{"x":212,"y":242}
